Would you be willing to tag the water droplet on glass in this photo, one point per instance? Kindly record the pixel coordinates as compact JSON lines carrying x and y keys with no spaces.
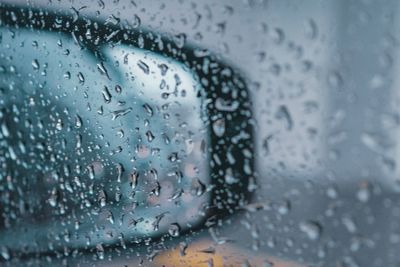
{"x":118,"y":89}
{"x":163,"y":68}
{"x":148,"y":109}
{"x":311,"y":29}
{"x":102,"y":69}
{"x":120,"y":113}
{"x":335,"y":80}
{"x":5,"y":253}
{"x":283,"y":114}
{"x":143,"y":66}
{"x":100,"y":251}
{"x":219,"y":127}
{"x":81,"y":78}
{"x":180,"y":40}
{"x":150,"y":136}
{"x":174,"y":229}
{"x":78,"y":122}
{"x":197,"y":187}
{"x":106,"y":95}
{"x":134,"y":179}
{"x":363,"y":193}
{"x":311,"y":229}
{"x":35,"y":64}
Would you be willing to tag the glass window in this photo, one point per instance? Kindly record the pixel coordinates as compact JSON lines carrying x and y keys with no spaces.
{"x":199,"y":133}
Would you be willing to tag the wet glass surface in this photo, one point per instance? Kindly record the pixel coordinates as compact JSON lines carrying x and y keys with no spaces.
{"x":207,"y":133}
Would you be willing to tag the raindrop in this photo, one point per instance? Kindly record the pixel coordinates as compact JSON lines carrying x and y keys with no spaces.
{"x":177,"y":194}
{"x":180,"y":40}
{"x":163,"y":68}
{"x":363,"y":193}
{"x":197,"y":187}
{"x":112,"y":20}
{"x":134,"y":179}
{"x":116,"y":150}
{"x":35,"y":64}
{"x":182,"y":248}
{"x":143,"y":66}
{"x":335,"y":80}
{"x":173,"y":157}
{"x":120,"y":171}
{"x":81,"y":78}
{"x":100,"y":251}
{"x":153,"y":173}
{"x":148,"y":109}
{"x":90,"y":169}
{"x":106,"y":95}
{"x":102,"y":69}
{"x":283,"y":114}
{"x":219,"y":127}
{"x":67,"y":75}
{"x":136,"y":21}
{"x":310,"y":29}
{"x":120,"y":113}
{"x":331,"y":192}
{"x":53,"y":200}
{"x":174,"y":229}
{"x":209,"y":250}
{"x":78,"y":122}
{"x":150,"y":136}
{"x":59,"y":125}
{"x":349,"y":224}
{"x":156,"y":222}
{"x":224,"y":105}
{"x":4,"y":129}
{"x":277,"y":35}
{"x":156,"y":189}
{"x":311,"y":229}
{"x":5,"y":253}
{"x":102,"y":198}
{"x":118,"y":89}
